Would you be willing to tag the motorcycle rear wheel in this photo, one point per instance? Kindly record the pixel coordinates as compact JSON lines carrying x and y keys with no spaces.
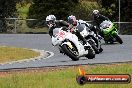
{"x":94,"y":46}
{"x":91,"y":54}
{"x":101,"y":50}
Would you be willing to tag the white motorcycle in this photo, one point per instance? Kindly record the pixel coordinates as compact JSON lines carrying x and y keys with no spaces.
{"x":69,"y":44}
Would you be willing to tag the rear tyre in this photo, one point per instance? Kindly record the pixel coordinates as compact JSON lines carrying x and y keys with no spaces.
{"x":101,"y":50}
{"x":69,"y":53}
{"x":96,"y":41}
{"x":94,"y":46}
{"x":118,"y":39}
{"x":91,"y":54}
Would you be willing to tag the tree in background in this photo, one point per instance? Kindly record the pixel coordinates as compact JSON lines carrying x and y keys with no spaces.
{"x":82,"y":9}
{"x":128,"y":10}
{"x":42,"y":8}
{"x":111,"y":8}
{"x":7,"y":9}
{"x":60,"y":8}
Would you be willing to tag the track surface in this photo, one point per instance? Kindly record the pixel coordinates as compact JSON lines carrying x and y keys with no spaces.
{"x":112,"y":53}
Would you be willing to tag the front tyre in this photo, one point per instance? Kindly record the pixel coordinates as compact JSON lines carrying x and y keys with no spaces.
{"x":69,"y":52}
{"x":118,"y":39}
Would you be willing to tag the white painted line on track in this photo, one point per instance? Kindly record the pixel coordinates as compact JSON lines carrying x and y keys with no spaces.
{"x":43,"y":55}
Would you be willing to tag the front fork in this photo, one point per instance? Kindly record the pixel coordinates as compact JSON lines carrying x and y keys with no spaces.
{"x":114,"y":33}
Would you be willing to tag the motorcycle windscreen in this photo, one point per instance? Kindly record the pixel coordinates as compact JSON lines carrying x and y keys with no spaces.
{"x":81,"y":27}
{"x":105,"y":24}
{"x":56,"y":31}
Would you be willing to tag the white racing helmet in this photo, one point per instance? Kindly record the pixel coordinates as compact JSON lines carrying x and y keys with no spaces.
{"x":50,"y":20}
{"x":95,"y":11}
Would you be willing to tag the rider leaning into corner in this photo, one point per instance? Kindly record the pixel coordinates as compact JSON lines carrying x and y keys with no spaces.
{"x":76,"y":23}
{"x":53,"y":23}
{"x":88,"y":25}
{"x":98,"y":19}
{"x":73,"y":23}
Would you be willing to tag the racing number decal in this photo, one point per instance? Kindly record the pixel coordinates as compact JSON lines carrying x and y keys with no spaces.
{"x":61,"y":34}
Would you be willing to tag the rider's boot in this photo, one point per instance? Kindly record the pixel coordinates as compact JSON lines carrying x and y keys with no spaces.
{"x":85,"y":43}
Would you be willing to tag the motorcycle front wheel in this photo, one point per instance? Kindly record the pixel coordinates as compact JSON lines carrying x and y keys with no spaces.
{"x":69,"y":52}
{"x":118,"y":39}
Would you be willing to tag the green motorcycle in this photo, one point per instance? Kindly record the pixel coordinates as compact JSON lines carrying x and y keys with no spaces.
{"x":109,"y":32}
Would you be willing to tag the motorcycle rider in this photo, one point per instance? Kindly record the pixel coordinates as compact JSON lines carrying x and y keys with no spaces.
{"x":91,"y":27}
{"x":98,"y":19}
{"x":53,"y":23}
{"x":88,"y":25}
{"x":72,"y":26}
{"x":76,"y":23}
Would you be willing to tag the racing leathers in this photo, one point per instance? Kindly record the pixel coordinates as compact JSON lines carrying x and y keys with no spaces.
{"x":58,"y":23}
{"x":90,"y":26}
{"x":97,"y":20}
{"x":66,"y":26}
{"x":74,"y":30}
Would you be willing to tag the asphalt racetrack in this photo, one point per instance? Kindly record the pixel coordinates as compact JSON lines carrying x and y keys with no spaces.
{"x":112,"y":53}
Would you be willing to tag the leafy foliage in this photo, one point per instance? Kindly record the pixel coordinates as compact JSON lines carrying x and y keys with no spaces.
{"x":60,"y":8}
{"x":41,"y":8}
{"x":111,"y":8}
{"x":7,"y":9}
{"x":84,"y":10}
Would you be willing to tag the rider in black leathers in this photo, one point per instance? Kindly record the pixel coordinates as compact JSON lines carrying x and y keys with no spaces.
{"x":58,"y":23}
{"x":98,"y":19}
{"x":53,"y":23}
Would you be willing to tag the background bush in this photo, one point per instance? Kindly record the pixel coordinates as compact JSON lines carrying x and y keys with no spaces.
{"x":61,"y":9}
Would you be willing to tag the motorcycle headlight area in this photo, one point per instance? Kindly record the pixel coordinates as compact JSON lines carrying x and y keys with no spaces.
{"x":70,"y":45}
{"x":107,"y":27}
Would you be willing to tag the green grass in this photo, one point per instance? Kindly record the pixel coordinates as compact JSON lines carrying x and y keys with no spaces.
{"x":12,"y":54}
{"x":64,"y":78}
